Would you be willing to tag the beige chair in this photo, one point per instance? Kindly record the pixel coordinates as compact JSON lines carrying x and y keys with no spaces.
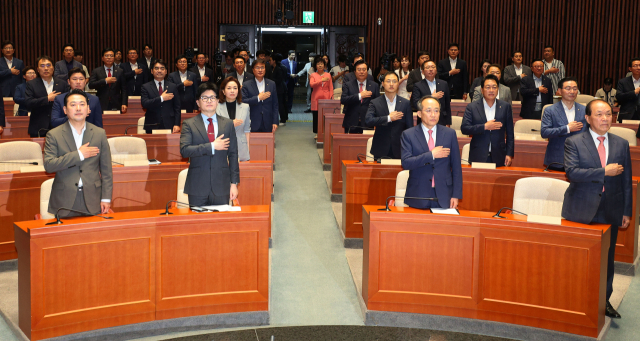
{"x":127,"y":148}
{"x":625,"y":133}
{"x":20,"y":153}
{"x":15,"y":109}
{"x":182,"y":178}
{"x":465,"y":154}
{"x":456,"y":122}
{"x":369,"y":155}
{"x":539,"y":196}
{"x":545,"y":108}
{"x":584,"y":99}
{"x":337,"y":93}
{"x":45,"y":194}
{"x":630,"y":121}
{"x":141,"y":130}
{"x":401,"y":188}
{"x":531,"y":127}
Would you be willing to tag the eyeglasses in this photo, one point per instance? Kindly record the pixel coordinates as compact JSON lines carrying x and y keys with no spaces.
{"x":108,"y":56}
{"x":208,"y":98}
{"x":259,"y":68}
{"x":46,"y":65}
{"x":68,"y":50}
{"x":159,"y":68}
{"x":574,"y":89}
{"x":8,"y":48}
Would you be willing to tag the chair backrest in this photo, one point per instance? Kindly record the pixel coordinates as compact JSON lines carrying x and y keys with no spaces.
{"x":625,"y":133}
{"x":19,"y":151}
{"x":369,"y":155}
{"x":337,"y":93}
{"x":531,"y":127}
{"x":465,"y":154}
{"x":456,"y":122}
{"x":45,"y":194}
{"x":584,"y":99}
{"x":141,"y":126}
{"x":127,"y":148}
{"x":539,"y":196}
{"x":630,"y":121}
{"x":401,"y":187}
{"x":16,"y":107}
{"x":545,"y":108}
{"x":182,"y":178}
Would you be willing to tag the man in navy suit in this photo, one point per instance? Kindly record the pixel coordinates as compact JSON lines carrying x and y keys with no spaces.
{"x":240,"y":74}
{"x":436,"y":88}
{"x":67,"y":63}
{"x":262,"y":96}
{"x":391,"y":115}
{"x":19,"y":96}
{"x":356,"y":96}
{"x":10,"y":70}
{"x":535,"y":91}
{"x":292,"y":66}
{"x":147,"y":59}
{"x":628,"y":95}
{"x":187,"y":83}
{"x":201,"y":70}
{"x":598,"y":166}
{"x":560,"y":121}
{"x":454,"y":71}
{"x":40,"y":94}
{"x":135,"y":73}
{"x":109,"y":81}
{"x":161,"y":100}
{"x":488,"y":122}
{"x":431,"y":154}
{"x":77,"y":80}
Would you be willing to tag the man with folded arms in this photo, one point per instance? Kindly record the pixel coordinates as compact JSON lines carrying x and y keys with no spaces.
{"x":78,"y":152}
{"x":430,"y":152}
{"x":598,"y":166}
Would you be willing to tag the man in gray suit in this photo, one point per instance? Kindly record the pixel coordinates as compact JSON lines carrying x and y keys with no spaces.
{"x":61,"y":71}
{"x":79,"y":154}
{"x":504,"y":93}
{"x":210,"y":142}
{"x":514,"y":73}
{"x":598,"y":166}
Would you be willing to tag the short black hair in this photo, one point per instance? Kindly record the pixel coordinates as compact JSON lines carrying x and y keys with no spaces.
{"x":514,"y":52}
{"x":452,"y":45}
{"x":206,"y":86}
{"x":549,"y":47}
{"x":424,"y":64}
{"x":361,"y":61}
{"x":7,"y":42}
{"x":147,"y":45}
{"x":258,"y":61}
{"x":633,"y":60}
{"x":318,"y":60}
{"x":391,"y":73}
{"x":75,"y":92}
{"x":76,"y":70}
{"x":495,"y":65}
{"x":423,"y":53}
{"x":159,"y":61}
{"x":483,"y":62}
{"x":537,"y":60}
{"x":201,"y":53}
{"x":77,"y":53}
{"x":116,"y":51}
{"x":132,"y":49}
{"x":490,"y":77}
{"x":67,"y":45}
{"x":264,"y":52}
{"x":180,"y":56}
{"x":41,"y":57}
{"x":566,"y":79}
{"x":588,"y":110}
{"x":342,"y":58}
{"x":27,"y":68}
{"x":277,"y":57}
{"x":608,"y":81}
{"x":292,"y":51}
{"x":108,"y":49}
{"x":237,"y":57}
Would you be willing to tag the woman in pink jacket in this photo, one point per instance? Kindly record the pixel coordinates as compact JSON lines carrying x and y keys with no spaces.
{"x":322,"y":85}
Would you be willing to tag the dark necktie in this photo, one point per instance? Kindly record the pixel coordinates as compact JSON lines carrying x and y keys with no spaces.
{"x":109,"y":75}
{"x":160,"y":88}
{"x":361,"y":91}
{"x":211,"y":133}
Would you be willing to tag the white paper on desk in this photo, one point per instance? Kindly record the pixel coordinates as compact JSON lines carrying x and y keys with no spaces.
{"x":451,"y":211}
{"x":223,"y":208}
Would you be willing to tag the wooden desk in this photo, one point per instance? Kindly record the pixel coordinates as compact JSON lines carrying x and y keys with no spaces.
{"x":483,"y":190}
{"x":474,"y":266}
{"x":326,"y":107}
{"x":262,"y":146}
{"x":344,"y":147}
{"x":91,"y":273}
{"x":135,"y":106}
{"x":9,"y":104}
{"x":134,"y":189}
{"x":332,"y":124}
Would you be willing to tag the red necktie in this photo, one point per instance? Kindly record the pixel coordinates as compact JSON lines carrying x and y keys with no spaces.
{"x":432,"y":145}
{"x":361,"y":91}
{"x":109,"y":75}
{"x":211,"y":133}
{"x":603,"y":154}
{"x":160,"y":88}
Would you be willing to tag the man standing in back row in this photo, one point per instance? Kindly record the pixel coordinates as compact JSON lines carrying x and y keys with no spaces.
{"x":454,"y":71}
{"x":110,"y":83}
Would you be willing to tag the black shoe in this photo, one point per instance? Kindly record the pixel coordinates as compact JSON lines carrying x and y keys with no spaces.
{"x":308,"y":111}
{"x":610,"y":312}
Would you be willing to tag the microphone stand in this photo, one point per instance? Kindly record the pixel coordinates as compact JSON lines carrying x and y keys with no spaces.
{"x":20,"y":163}
{"x":166,"y":212}
{"x":393,"y":196}
{"x":139,"y":125}
{"x":497,"y":215}
{"x":553,"y":163}
{"x":361,"y":127}
{"x":86,"y":214}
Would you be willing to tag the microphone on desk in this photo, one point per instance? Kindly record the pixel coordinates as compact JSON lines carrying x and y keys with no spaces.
{"x":497,"y":215}
{"x":117,"y":163}
{"x":467,"y":161}
{"x":365,"y":128}
{"x":358,"y":157}
{"x":20,"y":163}
{"x":41,"y":129}
{"x":553,"y":163}
{"x":535,"y":129}
{"x":395,"y":196}
{"x":86,"y":214}
{"x":139,"y":125}
{"x":202,"y":209}
{"x":334,"y":110}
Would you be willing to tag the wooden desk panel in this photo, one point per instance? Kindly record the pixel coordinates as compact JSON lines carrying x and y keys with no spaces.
{"x":326,"y":107}
{"x":262,"y":147}
{"x":475,"y":266}
{"x":332,"y":124}
{"x":134,"y":189}
{"x":135,"y":106}
{"x":344,"y":147}
{"x":90,"y":273}
{"x":483,"y":190}
{"x":9,"y":104}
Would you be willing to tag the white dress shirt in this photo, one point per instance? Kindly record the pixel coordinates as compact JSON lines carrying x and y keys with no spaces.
{"x":260,"y":86}
{"x":432,"y":85}
{"x":453,"y":63}
{"x":490,"y":113}
{"x":205,"y":118}
{"x":183,"y":76}
{"x":240,"y":77}
{"x":636,"y":82}
{"x":134,"y":67}
{"x":202,"y":71}
{"x":518,"y":69}
{"x":364,"y":87}
{"x":391,"y":105}
{"x":148,"y":62}
{"x":425,"y":130}
{"x":571,"y":114}
{"x":77,"y":138}
{"x":595,"y":136}
{"x":48,"y":86}
{"x":9,"y":62}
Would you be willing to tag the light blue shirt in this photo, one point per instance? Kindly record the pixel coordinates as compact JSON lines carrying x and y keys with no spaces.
{"x":595,"y":136}
{"x":391,"y":105}
{"x":538,"y":82}
{"x":432,"y":86}
{"x":214,"y":118}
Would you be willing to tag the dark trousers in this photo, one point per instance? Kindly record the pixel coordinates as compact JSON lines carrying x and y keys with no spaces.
{"x":537,"y":115}
{"x":282,"y":108}
{"x":290,"y":87}
{"x":187,"y":104}
{"x":78,"y":205}
{"x":556,"y":168}
{"x":314,"y":113}
{"x":263,"y":128}
{"x":601,"y":218}
{"x":210,"y":199}
{"x":352,"y":130}
{"x":430,"y":193}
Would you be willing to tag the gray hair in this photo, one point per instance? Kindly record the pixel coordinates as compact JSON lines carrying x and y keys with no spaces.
{"x":426,"y":97}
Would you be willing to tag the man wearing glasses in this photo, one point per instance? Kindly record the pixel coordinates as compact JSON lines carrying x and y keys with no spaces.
{"x":162,"y":101}
{"x":10,"y":67}
{"x":110,"y":83}
{"x":39,"y":96}
{"x":63,"y":66}
{"x":504,"y":92}
{"x":209,"y":140}
{"x":262,"y":96}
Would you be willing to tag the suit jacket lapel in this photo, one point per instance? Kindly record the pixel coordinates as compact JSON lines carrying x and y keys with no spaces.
{"x":591,"y":146}
{"x":439,"y":136}
{"x":201,"y":129}
{"x":222,"y":107}
{"x":68,"y":136}
{"x":422,"y":139}
{"x":499,"y":111}
{"x":88,"y":135}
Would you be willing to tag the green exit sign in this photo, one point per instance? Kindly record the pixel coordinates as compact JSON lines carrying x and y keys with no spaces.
{"x":308,"y":17}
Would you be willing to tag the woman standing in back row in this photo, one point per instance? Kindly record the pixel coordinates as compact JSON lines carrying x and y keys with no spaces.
{"x":322,"y":86}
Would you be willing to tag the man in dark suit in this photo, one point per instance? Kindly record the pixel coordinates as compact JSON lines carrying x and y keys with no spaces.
{"x":161,"y":100}
{"x":598,"y":166}
{"x":261,"y":95}
{"x":110,"y":83}
{"x":292,"y":66}
{"x":67,"y":63}
{"x":560,"y":121}
{"x":436,"y":88}
{"x":416,"y":75}
{"x":19,"y":96}
{"x":628,"y":95}
{"x":356,"y":97}
{"x":135,"y":73}
{"x":514,"y":73}
{"x":454,"y":71}
{"x":280,"y":76}
{"x":77,"y":80}
{"x":349,"y":77}
{"x":39,"y":96}
{"x":10,"y":70}
{"x":247,"y":64}
{"x":2,"y":120}
{"x":209,"y":141}
{"x":187,"y":83}
{"x":431,"y":154}
{"x":536,"y":92}
{"x":391,"y":115}
{"x":201,"y":70}
{"x":78,"y":152}
{"x":147,"y":59}
{"x":239,"y":73}
{"x":266,"y":56}
{"x":489,"y":121}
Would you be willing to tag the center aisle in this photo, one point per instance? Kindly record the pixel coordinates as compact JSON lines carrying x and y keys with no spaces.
{"x":311,"y":283}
